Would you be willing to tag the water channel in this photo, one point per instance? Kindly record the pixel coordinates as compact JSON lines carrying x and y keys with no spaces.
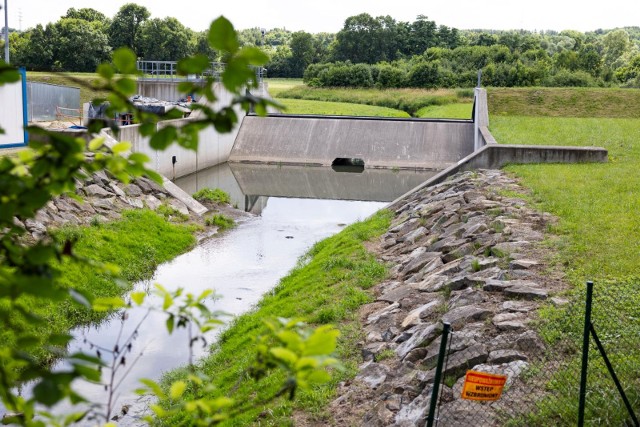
{"x":291,"y":208}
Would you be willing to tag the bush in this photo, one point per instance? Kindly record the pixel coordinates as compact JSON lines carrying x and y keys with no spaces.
{"x":425,"y":74}
{"x":571,"y":78}
{"x":389,"y":76}
{"x":347,"y":75}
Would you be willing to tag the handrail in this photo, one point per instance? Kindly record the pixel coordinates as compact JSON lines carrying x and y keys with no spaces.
{"x":168,"y":70}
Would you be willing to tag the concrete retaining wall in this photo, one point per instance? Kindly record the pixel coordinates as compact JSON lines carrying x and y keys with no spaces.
{"x":380,"y":142}
{"x":159,"y":89}
{"x":495,"y":156}
{"x":213,"y":147}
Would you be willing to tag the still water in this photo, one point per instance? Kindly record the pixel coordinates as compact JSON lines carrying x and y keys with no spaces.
{"x":291,"y":209}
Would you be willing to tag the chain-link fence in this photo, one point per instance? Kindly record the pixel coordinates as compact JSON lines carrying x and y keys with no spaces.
{"x":537,"y":379}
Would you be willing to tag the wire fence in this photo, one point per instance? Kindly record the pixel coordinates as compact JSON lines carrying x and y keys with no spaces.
{"x":538,"y":380}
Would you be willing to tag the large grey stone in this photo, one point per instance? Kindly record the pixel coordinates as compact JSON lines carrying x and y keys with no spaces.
{"x":422,"y":336}
{"x":460,"y":316}
{"x":179,"y":206}
{"x":415,"y":413}
{"x":526,"y":292}
{"x":396,"y":294}
{"x":420,"y":261}
{"x":413,"y":236}
{"x":152,"y":202}
{"x":104,"y":204}
{"x":373,"y":374}
{"x":496,"y":285}
{"x":95,"y":190}
{"x":133,"y":190}
{"x":505,"y":356}
{"x":522,"y":264}
{"x":416,"y":315}
{"x":117,"y":190}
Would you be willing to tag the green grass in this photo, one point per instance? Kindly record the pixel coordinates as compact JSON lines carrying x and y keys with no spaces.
{"x":327,"y":286}
{"x":276,"y":86}
{"x":213,"y":195}
{"x":597,"y":203}
{"x":448,"y":111}
{"x":564,"y":102}
{"x":137,"y":243}
{"x":301,"y":106}
{"x":408,"y":100}
{"x":220,"y":220}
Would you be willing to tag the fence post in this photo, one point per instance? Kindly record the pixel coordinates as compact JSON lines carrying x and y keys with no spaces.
{"x":585,"y":354}
{"x":438,"y":376}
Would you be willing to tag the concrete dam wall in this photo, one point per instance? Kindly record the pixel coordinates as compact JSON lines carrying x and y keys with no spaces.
{"x":379,"y":142}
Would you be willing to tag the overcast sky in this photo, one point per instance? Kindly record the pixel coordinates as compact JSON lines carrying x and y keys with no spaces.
{"x":329,"y":15}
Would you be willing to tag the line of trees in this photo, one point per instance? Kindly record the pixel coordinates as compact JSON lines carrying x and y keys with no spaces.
{"x":368,"y":51}
{"x":84,"y":38}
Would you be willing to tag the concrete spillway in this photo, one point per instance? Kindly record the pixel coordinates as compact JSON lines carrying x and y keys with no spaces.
{"x":380,"y":142}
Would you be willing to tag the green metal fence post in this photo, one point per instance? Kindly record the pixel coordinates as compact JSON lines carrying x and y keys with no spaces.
{"x":438,"y":376}
{"x":585,"y":354}
{"x":612,"y":372}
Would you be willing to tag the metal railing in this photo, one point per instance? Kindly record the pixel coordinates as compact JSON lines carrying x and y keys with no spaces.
{"x":167,"y":70}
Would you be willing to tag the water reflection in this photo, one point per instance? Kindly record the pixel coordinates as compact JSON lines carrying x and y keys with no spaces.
{"x":247,"y":183}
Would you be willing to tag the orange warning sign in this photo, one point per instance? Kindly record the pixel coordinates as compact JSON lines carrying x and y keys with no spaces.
{"x":483,"y":386}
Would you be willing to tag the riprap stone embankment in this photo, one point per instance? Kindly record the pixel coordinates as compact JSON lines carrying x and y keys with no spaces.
{"x":468,"y":253}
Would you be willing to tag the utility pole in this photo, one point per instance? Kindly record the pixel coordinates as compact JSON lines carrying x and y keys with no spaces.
{"x":6,"y":33}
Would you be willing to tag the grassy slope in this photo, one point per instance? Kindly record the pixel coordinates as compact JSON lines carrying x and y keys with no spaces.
{"x":448,"y":111}
{"x":80,"y":80}
{"x":137,"y":243}
{"x":565,"y":102}
{"x":303,"y":106}
{"x":408,"y":100}
{"x":327,"y":286}
{"x":597,"y":203}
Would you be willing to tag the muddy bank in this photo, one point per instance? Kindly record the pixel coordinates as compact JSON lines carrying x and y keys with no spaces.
{"x":468,"y":253}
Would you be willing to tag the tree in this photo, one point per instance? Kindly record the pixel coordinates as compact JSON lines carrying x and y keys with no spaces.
{"x":90,"y":15}
{"x":423,"y":35}
{"x":616,"y":43}
{"x":79,"y":45}
{"x":364,"y":39}
{"x":166,"y":40}
{"x":35,"y":50}
{"x":125,"y":27}
{"x":302,"y":52}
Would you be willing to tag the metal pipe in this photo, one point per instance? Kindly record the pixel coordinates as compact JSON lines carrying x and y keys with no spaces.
{"x":612,"y":372}
{"x":6,"y":33}
{"x":438,"y":374}
{"x":585,"y":355}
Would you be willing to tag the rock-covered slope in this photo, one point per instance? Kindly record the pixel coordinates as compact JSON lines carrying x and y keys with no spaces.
{"x":465,"y":253}
{"x":101,"y":198}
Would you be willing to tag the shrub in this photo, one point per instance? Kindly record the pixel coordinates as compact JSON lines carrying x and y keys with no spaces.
{"x":389,"y":76}
{"x":571,"y":78}
{"x":214,"y":195}
{"x":425,"y":74}
{"x":221,"y":221}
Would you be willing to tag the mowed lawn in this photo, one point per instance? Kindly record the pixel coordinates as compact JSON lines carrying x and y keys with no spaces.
{"x":598,"y":204}
{"x":303,"y":106}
